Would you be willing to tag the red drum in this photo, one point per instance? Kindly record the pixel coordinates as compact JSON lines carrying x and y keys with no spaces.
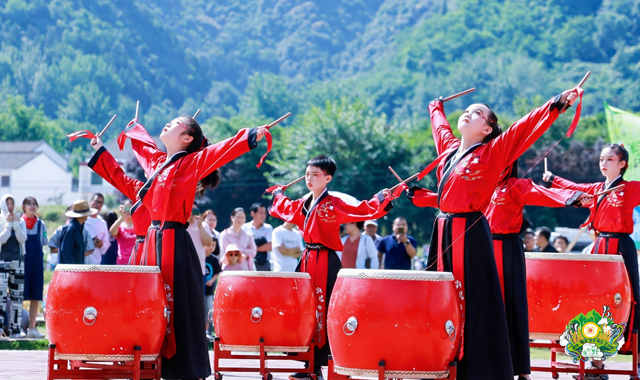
{"x":409,"y":319}
{"x":276,"y":306}
{"x":560,"y":286}
{"x":100,"y":312}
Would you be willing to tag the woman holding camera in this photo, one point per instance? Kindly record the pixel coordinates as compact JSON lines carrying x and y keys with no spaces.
{"x":123,"y":231}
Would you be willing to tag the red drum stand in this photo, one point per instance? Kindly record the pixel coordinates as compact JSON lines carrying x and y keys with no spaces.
{"x":264,"y":370}
{"x":557,"y":367}
{"x":333,"y":375}
{"x":86,"y":369}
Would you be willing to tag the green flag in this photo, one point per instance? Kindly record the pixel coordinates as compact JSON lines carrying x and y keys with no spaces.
{"x":624,"y":127}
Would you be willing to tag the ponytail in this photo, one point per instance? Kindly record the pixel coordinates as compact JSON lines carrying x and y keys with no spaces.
{"x":492,"y":121}
{"x":199,"y":142}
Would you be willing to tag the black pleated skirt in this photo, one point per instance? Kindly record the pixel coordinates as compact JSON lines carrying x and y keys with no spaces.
{"x":487,"y":354}
{"x":515,"y":300}
{"x":191,"y":360}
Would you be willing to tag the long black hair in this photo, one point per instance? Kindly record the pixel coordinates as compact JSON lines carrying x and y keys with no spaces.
{"x":199,"y":142}
{"x":492,"y":121}
{"x":509,"y":172}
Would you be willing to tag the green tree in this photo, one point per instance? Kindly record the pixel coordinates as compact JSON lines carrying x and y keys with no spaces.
{"x":362,"y":143}
{"x":19,"y":122}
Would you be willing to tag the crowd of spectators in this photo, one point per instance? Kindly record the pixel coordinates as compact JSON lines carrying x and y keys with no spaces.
{"x":90,"y":238}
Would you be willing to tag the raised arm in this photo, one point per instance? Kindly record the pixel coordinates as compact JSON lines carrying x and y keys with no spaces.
{"x":215,"y":156}
{"x":440,"y":128}
{"x":524,"y":132}
{"x":108,"y":168}
{"x":144,"y":147}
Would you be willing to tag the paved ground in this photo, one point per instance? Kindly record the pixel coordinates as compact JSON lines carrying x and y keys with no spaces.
{"x":32,"y":365}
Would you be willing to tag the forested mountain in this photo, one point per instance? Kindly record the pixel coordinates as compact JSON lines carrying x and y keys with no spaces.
{"x":343,"y":67}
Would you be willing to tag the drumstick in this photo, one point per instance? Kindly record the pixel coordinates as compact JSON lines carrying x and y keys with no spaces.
{"x":465,"y":92}
{"x":275,"y":187}
{"x":405,"y":181}
{"x":293,"y":182}
{"x":279,"y":120}
{"x":107,"y":126}
{"x":137,"y":109}
{"x":196,"y":114}
{"x":395,"y":174}
{"x":545,"y":165}
{"x":584,"y":79}
{"x":575,"y":239}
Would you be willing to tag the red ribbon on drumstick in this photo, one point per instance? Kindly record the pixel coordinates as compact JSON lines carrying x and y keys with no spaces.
{"x":88,"y":134}
{"x":576,"y":118}
{"x":267,"y":135}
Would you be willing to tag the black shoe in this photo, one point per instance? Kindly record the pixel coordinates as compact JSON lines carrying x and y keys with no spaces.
{"x":300,"y":376}
{"x":594,"y":376}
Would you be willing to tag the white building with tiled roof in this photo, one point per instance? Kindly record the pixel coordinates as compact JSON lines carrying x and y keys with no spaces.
{"x":33,"y":168}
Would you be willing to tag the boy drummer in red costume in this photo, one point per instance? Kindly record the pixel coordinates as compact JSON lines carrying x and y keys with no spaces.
{"x":319,"y":215}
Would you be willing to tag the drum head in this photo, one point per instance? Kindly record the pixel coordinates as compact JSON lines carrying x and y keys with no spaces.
{"x":383,"y":274}
{"x":107,"y":268}
{"x":259,"y":274}
{"x":572,"y":257}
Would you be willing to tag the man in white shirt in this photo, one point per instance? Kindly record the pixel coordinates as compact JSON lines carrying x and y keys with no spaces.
{"x":97,"y":228}
{"x":287,"y":248}
{"x":261,"y":233}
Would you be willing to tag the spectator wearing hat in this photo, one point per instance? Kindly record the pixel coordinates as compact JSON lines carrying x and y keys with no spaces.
{"x":70,"y":241}
{"x":371,"y":229}
{"x":234,"y":259}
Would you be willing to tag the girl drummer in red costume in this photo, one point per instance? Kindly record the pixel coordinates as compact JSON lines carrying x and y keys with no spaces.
{"x":504,"y":215}
{"x":461,"y":240}
{"x":105,"y":165}
{"x":319,"y":215}
{"x":148,"y":155}
{"x":188,"y":167}
{"x":612,"y":219}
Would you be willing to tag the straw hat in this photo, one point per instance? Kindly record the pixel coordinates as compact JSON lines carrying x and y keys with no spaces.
{"x":230,"y":248}
{"x":79,"y":209}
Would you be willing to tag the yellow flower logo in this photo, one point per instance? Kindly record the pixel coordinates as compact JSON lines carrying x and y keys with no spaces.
{"x":590,"y":330}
